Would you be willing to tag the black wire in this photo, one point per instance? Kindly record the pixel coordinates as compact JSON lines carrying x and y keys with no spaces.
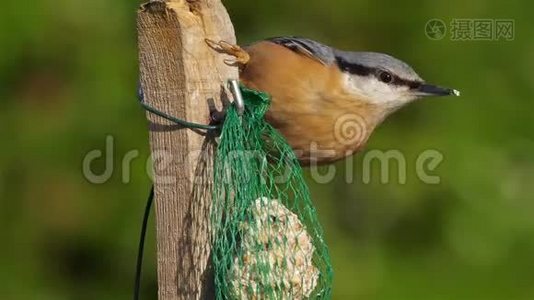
{"x":140,"y":251}
{"x":186,"y":124}
{"x":178,"y":121}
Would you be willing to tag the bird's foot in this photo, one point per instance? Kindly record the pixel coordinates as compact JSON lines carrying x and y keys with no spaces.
{"x":241,"y":56}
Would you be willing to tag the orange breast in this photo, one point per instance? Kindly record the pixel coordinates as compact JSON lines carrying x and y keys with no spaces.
{"x":309,"y":106}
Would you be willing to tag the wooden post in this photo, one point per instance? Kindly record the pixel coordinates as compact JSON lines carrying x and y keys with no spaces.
{"x":182,"y":76}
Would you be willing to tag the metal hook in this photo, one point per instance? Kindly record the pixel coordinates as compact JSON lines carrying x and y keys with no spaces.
{"x":238,"y":97}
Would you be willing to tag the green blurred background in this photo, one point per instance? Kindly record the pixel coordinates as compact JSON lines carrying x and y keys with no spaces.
{"x":68,"y":72}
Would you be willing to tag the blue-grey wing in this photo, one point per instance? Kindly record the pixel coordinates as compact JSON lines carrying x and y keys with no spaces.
{"x":310,"y":48}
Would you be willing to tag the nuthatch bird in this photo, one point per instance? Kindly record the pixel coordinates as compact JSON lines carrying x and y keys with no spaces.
{"x":326,"y":102}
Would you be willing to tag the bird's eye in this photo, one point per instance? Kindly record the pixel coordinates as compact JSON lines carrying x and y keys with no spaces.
{"x":385,"y":77}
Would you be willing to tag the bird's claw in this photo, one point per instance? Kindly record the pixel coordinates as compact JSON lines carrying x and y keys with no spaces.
{"x":241,"y":56}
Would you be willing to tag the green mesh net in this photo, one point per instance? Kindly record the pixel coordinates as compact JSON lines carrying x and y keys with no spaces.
{"x":267,"y":242}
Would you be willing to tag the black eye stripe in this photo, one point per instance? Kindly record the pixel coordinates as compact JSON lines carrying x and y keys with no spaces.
{"x":412,"y":84}
{"x":353,"y":68}
{"x":361,"y":70}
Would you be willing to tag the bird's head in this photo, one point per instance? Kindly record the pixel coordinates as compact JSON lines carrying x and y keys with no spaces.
{"x":384,"y":80}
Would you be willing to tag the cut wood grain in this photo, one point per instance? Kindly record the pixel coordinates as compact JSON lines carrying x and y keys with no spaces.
{"x":182,"y":76}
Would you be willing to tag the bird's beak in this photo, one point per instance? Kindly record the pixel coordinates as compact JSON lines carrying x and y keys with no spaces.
{"x":425,"y":90}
